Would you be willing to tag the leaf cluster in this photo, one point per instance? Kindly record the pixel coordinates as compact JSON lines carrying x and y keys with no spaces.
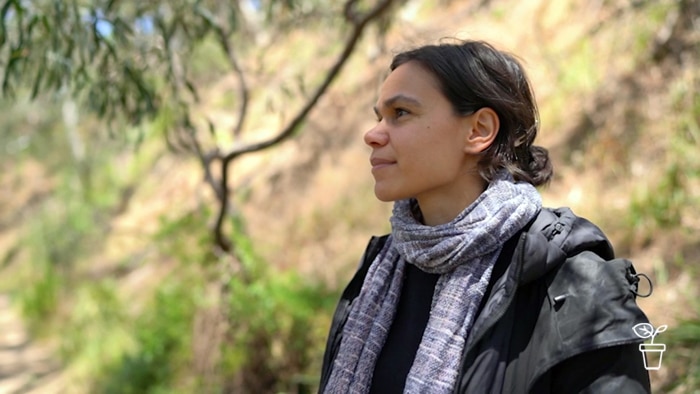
{"x":125,"y":59}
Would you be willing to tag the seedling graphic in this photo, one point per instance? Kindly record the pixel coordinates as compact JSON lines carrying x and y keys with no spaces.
{"x":651,"y":349}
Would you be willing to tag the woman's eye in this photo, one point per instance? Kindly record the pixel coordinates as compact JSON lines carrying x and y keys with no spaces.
{"x":399,"y":112}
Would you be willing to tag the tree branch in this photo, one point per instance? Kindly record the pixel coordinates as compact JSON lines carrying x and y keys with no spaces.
{"x":223,"y":35}
{"x":242,"y":85}
{"x":359,"y":22}
{"x":358,"y":27}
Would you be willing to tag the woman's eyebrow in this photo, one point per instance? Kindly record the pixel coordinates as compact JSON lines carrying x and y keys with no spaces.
{"x":399,"y":98}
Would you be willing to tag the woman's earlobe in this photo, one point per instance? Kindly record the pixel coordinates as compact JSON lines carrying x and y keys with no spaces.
{"x":483,"y":130}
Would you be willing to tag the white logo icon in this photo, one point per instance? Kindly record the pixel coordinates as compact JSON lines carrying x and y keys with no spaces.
{"x":650,"y":351}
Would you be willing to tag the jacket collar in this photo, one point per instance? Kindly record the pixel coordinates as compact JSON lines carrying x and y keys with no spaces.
{"x":554,"y":235}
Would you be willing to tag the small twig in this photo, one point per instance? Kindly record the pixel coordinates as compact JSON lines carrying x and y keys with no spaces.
{"x":242,"y":85}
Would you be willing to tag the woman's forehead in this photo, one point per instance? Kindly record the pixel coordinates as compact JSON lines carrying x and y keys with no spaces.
{"x":410,"y":80}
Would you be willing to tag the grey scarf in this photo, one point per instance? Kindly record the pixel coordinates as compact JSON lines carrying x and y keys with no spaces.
{"x":464,"y":252}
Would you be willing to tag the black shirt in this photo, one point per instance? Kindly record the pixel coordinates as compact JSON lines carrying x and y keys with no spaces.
{"x":396,"y":358}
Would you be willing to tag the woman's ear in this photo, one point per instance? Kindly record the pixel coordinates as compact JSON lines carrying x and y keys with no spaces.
{"x":483,"y":130}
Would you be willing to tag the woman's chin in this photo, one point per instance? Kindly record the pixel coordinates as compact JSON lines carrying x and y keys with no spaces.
{"x":387,"y":195}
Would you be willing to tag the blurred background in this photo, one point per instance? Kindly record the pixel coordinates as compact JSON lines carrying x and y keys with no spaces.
{"x":184,"y":189}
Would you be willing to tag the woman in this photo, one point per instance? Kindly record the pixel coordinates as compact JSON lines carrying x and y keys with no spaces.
{"x":478,"y":289}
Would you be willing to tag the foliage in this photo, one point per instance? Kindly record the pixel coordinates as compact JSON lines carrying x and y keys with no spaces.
{"x":130,"y":60}
{"x":663,"y":206}
{"x":97,"y":330}
{"x":683,"y":359}
{"x":39,"y":301}
{"x":663,"y":203}
{"x":114,"y":53}
{"x":67,"y":228}
{"x":67,"y":223}
{"x":162,"y":336}
{"x":278,"y":325}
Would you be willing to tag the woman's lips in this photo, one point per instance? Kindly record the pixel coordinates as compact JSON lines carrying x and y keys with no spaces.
{"x":379,"y":163}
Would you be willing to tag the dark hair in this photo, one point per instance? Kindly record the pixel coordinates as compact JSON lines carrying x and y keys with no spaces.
{"x":474,"y":75}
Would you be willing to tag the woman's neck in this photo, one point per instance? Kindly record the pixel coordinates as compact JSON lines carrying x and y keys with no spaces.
{"x":441,"y":208}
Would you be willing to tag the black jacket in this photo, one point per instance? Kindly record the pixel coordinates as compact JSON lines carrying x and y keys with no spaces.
{"x":557,"y":316}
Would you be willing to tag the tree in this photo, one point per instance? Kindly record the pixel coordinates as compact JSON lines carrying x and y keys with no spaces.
{"x":129,"y":61}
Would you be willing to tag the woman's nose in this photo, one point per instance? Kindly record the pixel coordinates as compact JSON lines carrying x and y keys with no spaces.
{"x":377,"y":136}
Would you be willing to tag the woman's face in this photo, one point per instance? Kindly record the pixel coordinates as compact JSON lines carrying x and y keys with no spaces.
{"x":418,"y":142}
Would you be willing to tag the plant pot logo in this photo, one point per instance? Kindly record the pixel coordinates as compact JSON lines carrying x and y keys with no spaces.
{"x":652,"y":352}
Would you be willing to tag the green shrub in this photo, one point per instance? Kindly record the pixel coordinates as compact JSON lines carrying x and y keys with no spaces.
{"x":39,"y":301}
{"x":278,"y":322}
{"x":63,"y":230}
{"x":162,"y":334}
{"x":683,"y":358}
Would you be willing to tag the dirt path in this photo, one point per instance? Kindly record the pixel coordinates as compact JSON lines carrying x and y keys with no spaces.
{"x":26,"y":367}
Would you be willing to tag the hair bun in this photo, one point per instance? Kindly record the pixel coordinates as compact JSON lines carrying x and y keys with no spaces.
{"x":540,"y":168}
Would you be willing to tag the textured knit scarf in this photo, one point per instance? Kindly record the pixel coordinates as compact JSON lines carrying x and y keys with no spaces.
{"x":464,"y":251}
